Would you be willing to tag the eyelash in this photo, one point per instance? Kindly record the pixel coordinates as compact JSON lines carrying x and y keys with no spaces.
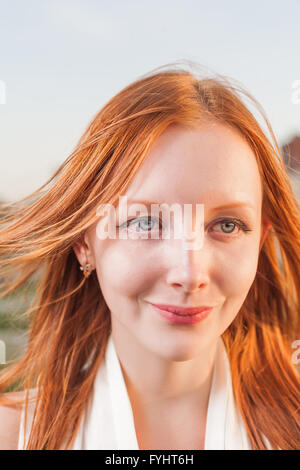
{"x":234,"y":221}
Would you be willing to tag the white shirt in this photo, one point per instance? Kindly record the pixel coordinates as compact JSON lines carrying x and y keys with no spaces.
{"x":108,"y":421}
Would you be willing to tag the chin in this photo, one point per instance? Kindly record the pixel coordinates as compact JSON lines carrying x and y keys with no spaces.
{"x":177,"y":352}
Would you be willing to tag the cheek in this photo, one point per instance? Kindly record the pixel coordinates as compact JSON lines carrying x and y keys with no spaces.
{"x":236,"y":269}
{"x":121,"y":270}
{"x":236,"y":278}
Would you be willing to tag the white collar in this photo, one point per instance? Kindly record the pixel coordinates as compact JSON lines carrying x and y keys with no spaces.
{"x":108,"y":422}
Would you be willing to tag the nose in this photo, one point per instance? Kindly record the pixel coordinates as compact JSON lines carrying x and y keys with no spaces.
{"x":189,"y":267}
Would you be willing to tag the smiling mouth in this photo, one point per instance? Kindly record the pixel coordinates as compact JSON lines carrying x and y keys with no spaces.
{"x":182,"y":311}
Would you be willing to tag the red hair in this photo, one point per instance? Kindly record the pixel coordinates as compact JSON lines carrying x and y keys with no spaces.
{"x":69,"y":321}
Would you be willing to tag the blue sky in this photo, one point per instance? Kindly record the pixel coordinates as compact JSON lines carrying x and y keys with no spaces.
{"x":62,"y":60}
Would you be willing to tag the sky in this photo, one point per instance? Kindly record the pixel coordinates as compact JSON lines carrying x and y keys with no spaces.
{"x":62,"y":60}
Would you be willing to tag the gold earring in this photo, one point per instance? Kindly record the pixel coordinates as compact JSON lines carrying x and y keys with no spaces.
{"x":87,"y":269}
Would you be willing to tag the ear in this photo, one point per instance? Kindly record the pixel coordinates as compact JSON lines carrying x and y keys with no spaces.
{"x":264,"y":232}
{"x":82,"y":250}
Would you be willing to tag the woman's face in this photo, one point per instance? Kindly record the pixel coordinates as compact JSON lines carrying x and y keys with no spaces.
{"x":212,"y":166}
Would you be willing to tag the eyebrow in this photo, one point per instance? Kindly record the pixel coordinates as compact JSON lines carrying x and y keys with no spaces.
{"x":229,"y":205}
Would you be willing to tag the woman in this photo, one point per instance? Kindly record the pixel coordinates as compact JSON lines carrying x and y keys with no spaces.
{"x":115,"y":358}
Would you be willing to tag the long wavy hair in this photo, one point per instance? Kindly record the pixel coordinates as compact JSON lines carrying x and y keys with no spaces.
{"x":68,"y":320}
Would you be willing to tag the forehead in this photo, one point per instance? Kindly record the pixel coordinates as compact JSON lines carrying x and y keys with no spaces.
{"x":211,"y":164}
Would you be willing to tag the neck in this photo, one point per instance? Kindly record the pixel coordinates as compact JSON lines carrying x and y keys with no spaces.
{"x":152,"y":379}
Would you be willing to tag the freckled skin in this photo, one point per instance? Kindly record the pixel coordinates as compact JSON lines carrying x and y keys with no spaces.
{"x":211,"y":165}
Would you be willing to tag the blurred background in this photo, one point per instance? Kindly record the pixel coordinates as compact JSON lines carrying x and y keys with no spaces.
{"x":62,"y":60}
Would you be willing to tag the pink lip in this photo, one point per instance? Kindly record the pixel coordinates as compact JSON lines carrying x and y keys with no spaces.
{"x":198,"y":314}
{"x":182,"y":310}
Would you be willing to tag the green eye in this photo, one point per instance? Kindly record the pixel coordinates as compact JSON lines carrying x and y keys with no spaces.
{"x":144,"y":221}
{"x":233,"y":222}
